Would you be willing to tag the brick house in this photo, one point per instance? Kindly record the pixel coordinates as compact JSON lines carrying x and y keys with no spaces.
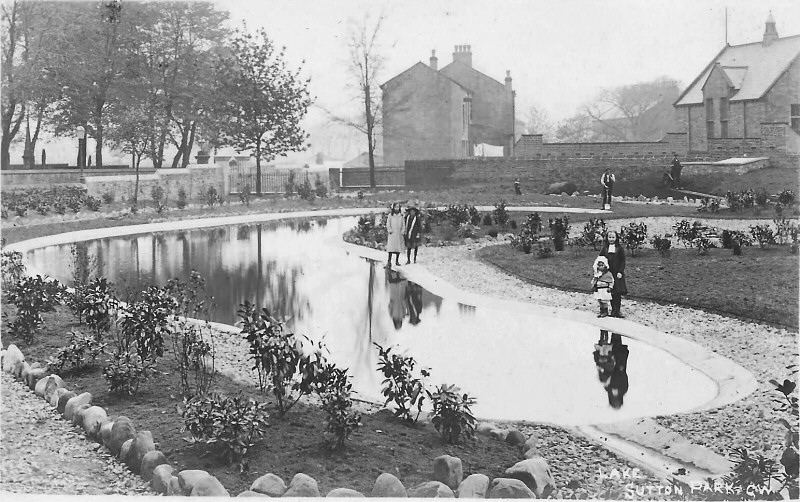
{"x":746,"y":101}
{"x":430,"y":113}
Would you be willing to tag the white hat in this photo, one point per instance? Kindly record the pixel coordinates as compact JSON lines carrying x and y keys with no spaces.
{"x":599,"y":260}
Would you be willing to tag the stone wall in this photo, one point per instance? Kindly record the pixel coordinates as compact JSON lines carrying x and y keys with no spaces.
{"x":194,"y":179}
{"x":358,"y":177}
{"x":44,"y":178}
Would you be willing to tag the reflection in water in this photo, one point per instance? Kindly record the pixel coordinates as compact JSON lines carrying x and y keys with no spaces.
{"x":611,"y":360}
{"x":397,"y":297}
{"x":289,"y":271}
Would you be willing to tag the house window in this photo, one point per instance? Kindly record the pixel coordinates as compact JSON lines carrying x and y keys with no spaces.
{"x":796,"y":118}
{"x":723,"y":117}
{"x":710,"y":118}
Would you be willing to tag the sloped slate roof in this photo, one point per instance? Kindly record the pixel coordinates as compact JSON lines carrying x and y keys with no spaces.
{"x":764,"y":65}
{"x":420,"y":66}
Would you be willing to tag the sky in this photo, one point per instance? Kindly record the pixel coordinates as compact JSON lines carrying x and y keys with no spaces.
{"x":560,"y":53}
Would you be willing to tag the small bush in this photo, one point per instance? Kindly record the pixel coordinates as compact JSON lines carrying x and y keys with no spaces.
{"x":709,"y":204}
{"x":108,"y":197}
{"x":467,"y":231}
{"x":93,"y":203}
{"x":320,"y":187}
{"x":783,"y":230}
{"x":212,"y":197}
{"x":492,"y":233}
{"x":487,"y":220}
{"x":633,"y":236}
{"x":513,"y":224}
{"x":500,"y":213}
{"x":702,"y":244}
{"x":244,"y":195}
{"x":340,"y":420}
{"x":458,"y":214}
{"x":401,"y":385}
{"x":763,"y":234}
{"x":182,"y":198}
{"x":687,"y":232}
{"x":661,"y":244}
{"x":761,"y":198}
{"x":786,"y":197}
{"x":592,"y":234}
{"x":545,"y":251}
{"x":21,"y":210}
{"x":306,"y":192}
{"x":13,"y":269}
{"x":81,"y":352}
{"x":452,"y":415}
{"x":33,"y":296}
{"x":159,"y":198}
{"x":233,"y":424}
{"x":143,"y":324}
{"x":291,"y":185}
{"x":98,"y":305}
{"x":124,"y":372}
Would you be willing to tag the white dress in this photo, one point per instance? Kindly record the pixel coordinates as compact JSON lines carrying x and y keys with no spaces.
{"x":395,"y":225}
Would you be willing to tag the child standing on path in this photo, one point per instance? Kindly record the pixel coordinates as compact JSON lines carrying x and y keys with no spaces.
{"x":395,"y":227}
{"x":602,"y":282}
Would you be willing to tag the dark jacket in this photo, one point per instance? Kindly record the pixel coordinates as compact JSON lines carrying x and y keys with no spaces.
{"x":413,"y":225}
{"x":616,"y":264}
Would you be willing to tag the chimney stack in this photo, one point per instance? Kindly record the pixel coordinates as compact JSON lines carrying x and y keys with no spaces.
{"x":508,"y":79}
{"x":463,"y":53}
{"x":434,"y":61}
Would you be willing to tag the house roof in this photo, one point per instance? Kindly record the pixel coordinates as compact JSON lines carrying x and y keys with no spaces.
{"x":420,"y":66}
{"x":752,"y":67}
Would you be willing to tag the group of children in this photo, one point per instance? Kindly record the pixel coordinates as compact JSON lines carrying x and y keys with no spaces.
{"x":405,"y":233}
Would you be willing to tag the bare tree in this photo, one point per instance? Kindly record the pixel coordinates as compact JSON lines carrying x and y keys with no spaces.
{"x":637,"y":112}
{"x":366,"y":63}
{"x":536,"y":121}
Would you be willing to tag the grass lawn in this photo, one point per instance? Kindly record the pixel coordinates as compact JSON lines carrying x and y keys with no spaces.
{"x":759,"y":284}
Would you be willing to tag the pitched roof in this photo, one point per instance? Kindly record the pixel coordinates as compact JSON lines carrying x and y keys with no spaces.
{"x":420,"y":66}
{"x":753,"y":67}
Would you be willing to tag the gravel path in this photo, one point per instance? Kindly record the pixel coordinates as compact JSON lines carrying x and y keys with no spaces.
{"x":41,"y":453}
{"x":762,"y":349}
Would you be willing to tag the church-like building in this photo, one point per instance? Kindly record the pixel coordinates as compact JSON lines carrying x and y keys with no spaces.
{"x":432,"y":113}
{"x":746,"y":101}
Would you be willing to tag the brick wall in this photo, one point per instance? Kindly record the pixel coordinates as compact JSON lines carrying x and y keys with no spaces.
{"x":358,"y":177}
{"x":532,"y":146}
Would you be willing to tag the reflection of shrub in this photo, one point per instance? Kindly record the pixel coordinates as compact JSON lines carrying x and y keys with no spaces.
{"x":452,"y":415}
{"x":233,"y":424}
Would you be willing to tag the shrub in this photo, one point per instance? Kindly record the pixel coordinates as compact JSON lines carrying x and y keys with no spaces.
{"x":98,"y":306}
{"x":244,"y":195}
{"x":33,"y":296}
{"x":487,"y":220}
{"x":108,"y":197}
{"x":513,"y":224}
{"x":233,"y":424}
{"x":144,"y":322}
{"x":559,"y":231}
{"x":306,"y":192}
{"x":291,"y":185}
{"x":182,"y":198}
{"x":786,"y":197}
{"x":661,"y":244}
{"x":401,"y":385}
{"x":59,"y":207}
{"x":457,"y":214}
{"x":466,"y":230}
{"x":500,"y":213}
{"x":360,"y":195}
{"x":81,"y":352}
{"x":21,"y":210}
{"x":279,"y":359}
{"x":212,"y":197}
{"x":4,"y":211}
{"x":492,"y":233}
{"x":340,"y":420}
{"x":523,"y":242}
{"x":702,"y":244}
{"x":125,"y":371}
{"x":709,"y":204}
{"x":43,"y":209}
{"x":93,"y":203}
{"x":452,"y":415}
{"x":532,"y":224}
{"x":544,"y":250}
{"x":320,"y":187}
{"x":633,"y":236}
{"x":13,"y":269}
{"x":761,"y":198}
{"x":783,"y":230}
{"x":159,"y":198}
{"x":592,"y":234}
{"x":687,"y":232}
{"x":763,"y":234}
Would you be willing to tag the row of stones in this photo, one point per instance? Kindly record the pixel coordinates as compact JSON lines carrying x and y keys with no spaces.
{"x":529,"y":478}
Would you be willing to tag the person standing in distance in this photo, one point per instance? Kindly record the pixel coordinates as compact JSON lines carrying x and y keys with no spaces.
{"x":675,"y":171}
{"x":607,"y":180}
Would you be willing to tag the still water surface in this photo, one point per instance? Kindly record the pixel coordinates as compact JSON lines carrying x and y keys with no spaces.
{"x":518,"y":366}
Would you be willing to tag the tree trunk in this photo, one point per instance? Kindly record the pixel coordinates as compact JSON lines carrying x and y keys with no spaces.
{"x":186,"y":157}
{"x":370,"y":143}
{"x":258,"y":166}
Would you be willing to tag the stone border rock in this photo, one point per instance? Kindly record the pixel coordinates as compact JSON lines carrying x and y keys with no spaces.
{"x":528,"y":478}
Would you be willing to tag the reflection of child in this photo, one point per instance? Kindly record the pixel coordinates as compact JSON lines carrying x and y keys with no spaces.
{"x":603,"y":358}
{"x":397,"y":294}
{"x":602,"y":282}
